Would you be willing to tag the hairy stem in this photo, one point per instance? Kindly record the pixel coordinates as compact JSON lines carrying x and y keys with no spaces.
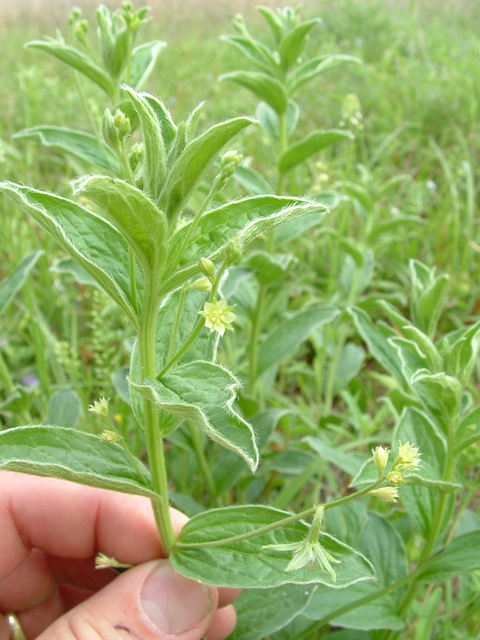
{"x":154,"y":442}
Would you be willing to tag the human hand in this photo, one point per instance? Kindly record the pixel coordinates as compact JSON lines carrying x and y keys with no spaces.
{"x":51,"y":532}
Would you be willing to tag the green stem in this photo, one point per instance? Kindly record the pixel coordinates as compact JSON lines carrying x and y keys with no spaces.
{"x":5,"y":375}
{"x":281,"y":523}
{"x":202,"y":461}
{"x":154,"y":442}
{"x":136,"y":463}
{"x":282,"y":145}
{"x":254,"y":336}
{"x":448,"y":476}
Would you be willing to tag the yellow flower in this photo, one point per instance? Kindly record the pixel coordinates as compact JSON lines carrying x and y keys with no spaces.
{"x":218,"y":316}
{"x":408,"y":458}
{"x":395,"y":477}
{"x":99,"y":407}
{"x":380,"y":458}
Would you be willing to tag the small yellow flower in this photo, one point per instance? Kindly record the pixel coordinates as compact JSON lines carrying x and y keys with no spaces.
{"x":395,"y":477}
{"x":99,"y":407}
{"x":408,"y":458}
{"x":218,"y":316}
{"x":380,"y":458}
{"x":104,"y":562}
{"x":389,"y":494}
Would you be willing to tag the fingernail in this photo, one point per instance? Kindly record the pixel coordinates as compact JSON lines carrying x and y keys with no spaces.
{"x":174,"y":603}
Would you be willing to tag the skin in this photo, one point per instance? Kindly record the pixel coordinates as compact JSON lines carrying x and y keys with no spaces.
{"x":51,"y":532}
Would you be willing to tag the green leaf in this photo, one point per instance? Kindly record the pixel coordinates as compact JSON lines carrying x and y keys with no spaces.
{"x":461,"y":358}
{"x":72,"y":455}
{"x":169,"y":128}
{"x":247,"y":564}
{"x":143,"y":61}
{"x":269,"y":268}
{"x":270,"y":122}
{"x":229,"y":467}
{"x":243,"y":220}
{"x":283,"y":342}
{"x":194,"y":160}
{"x":377,"y":340}
{"x":64,"y":409}
{"x":350,"y":463}
{"x":92,"y":241}
{"x":132,"y":213}
{"x":421,"y":502}
{"x":71,"y":266}
{"x":10,"y":285}
{"x":356,"y":192}
{"x":252,"y":181}
{"x":314,"y":142}
{"x":259,"y":613}
{"x":380,"y":614}
{"x":429,"y":296}
{"x":255,"y":51}
{"x":441,"y":395}
{"x":154,"y":162}
{"x":263,"y":86}
{"x":314,"y":67}
{"x":381,"y":543}
{"x":293,"y":43}
{"x":203,"y":393}
{"x":273,"y":20}
{"x":461,"y":555}
{"x":346,"y":522}
{"x":80,"y":144}
{"x":79,"y":61}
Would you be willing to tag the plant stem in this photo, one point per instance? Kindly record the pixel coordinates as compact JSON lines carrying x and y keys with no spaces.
{"x":282,"y":145}
{"x":281,"y":523}
{"x":154,"y":442}
{"x":202,"y":461}
{"x":254,"y":335}
{"x":448,"y":476}
{"x":176,"y":324}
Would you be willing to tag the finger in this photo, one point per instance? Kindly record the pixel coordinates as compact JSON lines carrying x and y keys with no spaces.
{"x":40,"y":576}
{"x":4,"y":630}
{"x":74,"y":521}
{"x":223,"y":624}
{"x":151,"y":601}
{"x":37,"y":619}
{"x":227,"y":596}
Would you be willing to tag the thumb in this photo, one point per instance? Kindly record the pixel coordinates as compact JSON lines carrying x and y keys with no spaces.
{"x":151,"y":601}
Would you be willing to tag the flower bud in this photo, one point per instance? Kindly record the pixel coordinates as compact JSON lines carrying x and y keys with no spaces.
{"x":109,"y":436}
{"x":203,"y":284}
{"x":388,"y":494}
{"x":380,"y":458}
{"x":233,"y":251}
{"x":408,"y":458}
{"x":135,"y":155}
{"x":207,"y":267}
{"x":122,"y":123}
{"x":109,"y":130}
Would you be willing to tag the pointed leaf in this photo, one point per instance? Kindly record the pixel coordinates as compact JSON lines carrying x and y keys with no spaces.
{"x":252,"y":181}
{"x":314,"y":142}
{"x":263,"y":86}
{"x":273,"y":20}
{"x":194,"y":161}
{"x":10,"y":285}
{"x":247,"y":563}
{"x":154,"y":162}
{"x":143,"y":61}
{"x":72,"y":455}
{"x":243,"y":220}
{"x":270,"y":122}
{"x":132,"y":213}
{"x":203,"y":393}
{"x":92,"y":241}
{"x":284,"y":341}
{"x":78,"y":60}
{"x":254,"y":50}
{"x":441,"y":395}
{"x":314,"y":67}
{"x":80,"y":144}
{"x":293,"y":43}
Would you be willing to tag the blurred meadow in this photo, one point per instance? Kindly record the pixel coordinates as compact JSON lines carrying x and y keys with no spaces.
{"x":414,"y":108}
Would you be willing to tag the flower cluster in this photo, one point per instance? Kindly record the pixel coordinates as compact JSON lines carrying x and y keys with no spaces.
{"x":408,"y":459}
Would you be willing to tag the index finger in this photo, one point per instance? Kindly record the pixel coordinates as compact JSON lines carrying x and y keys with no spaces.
{"x":74,"y":521}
